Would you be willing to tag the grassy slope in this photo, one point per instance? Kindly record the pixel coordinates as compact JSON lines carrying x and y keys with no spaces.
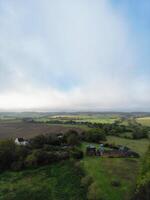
{"x":105,"y":170}
{"x":55,"y":182}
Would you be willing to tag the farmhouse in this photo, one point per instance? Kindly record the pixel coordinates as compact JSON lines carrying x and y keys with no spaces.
{"x":21,"y":141}
{"x":111,"y":151}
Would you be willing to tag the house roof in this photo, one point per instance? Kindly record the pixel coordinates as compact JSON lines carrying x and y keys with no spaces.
{"x":20,"y":139}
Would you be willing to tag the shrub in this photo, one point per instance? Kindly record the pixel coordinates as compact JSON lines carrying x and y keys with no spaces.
{"x":52,"y":139}
{"x":21,"y":152}
{"x":143,"y":185}
{"x":94,"y":192}
{"x":86,"y":181}
{"x":31,"y":160}
{"x":139,"y":132}
{"x":116,"y":183}
{"x":76,"y":154}
{"x":95,"y":135}
{"x":7,"y":154}
{"x":18,"y":165}
{"x":62,"y":155}
{"x":38,"y":141}
{"x":72,"y":137}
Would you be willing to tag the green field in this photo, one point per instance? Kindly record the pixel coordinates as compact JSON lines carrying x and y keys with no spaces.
{"x":55,"y":182}
{"x":145,"y":121}
{"x":125,"y":170}
{"x":79,"y":118}
{"x":140,"y":146}
{"x":98,"y":120}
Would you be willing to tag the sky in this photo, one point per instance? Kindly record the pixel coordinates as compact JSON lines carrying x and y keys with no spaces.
{"x":74,"y":55}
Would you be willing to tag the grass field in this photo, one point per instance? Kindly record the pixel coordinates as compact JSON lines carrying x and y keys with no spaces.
{"x":125,"y":170}
{"x":145,"y":121}
{"x":55,"y":182}
{"x":140,"y":146}
{"x":99,"y":120}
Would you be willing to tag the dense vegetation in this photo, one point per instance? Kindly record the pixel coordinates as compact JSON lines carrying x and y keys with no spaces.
{"x":61,"y":181}
{"x":143,"y":185}
{"x":41,"y":150}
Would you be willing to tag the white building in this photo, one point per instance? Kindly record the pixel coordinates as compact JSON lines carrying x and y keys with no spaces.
{"x":21,"y":141}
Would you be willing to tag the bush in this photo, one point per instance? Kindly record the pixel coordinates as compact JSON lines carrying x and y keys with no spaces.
{"x":7,"y":154}
{"x":76,"y":154}
{"x":94,"y":192}
{"x":72,"y":137}
{"x":143,"y":185}
{"x":62,"y":155}
{"x":40,"y":157}
{"x":139,"y":133}
{"x":18,"y":165}
{"x":52,"y":139}
{"x":95,"y":135}
{"x":38,"y":141}
{"x":21,"y":152}
{"x":31,"y":160}
{"x":116,"y":183}
{"x":86,"y":181}
{"x":78,"y":168}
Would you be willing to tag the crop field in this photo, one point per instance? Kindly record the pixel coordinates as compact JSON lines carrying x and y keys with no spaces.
{"x":28,"y":130}
{"x":123,"y":170}
{"x":145,"y":121}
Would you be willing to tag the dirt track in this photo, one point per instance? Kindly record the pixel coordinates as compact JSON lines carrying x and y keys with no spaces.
{"x":28,"y":130}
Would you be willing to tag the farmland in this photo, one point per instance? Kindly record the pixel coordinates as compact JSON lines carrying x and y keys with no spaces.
{"x":13,"y":126}
{"x":92,"y":118}
{"x":28,"y":130}
{"x":59,"y":180}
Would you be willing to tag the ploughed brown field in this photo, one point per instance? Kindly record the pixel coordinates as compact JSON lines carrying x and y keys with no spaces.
{"x":28,"y":130}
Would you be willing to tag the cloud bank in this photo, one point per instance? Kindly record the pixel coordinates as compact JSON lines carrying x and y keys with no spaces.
{"x":68,"y":55}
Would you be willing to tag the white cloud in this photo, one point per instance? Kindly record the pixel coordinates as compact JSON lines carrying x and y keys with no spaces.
{"x":88,"y":43}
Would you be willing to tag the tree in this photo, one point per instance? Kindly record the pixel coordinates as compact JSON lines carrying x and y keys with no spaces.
{"x":72,"y":137}
{"x":38,"y":141}
{"x":95,"y":135}
{"x":7,"y":154}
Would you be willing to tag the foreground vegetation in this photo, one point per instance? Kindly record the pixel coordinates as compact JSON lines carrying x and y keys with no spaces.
{"x":60,"y":181}
{"x":143,"y":184}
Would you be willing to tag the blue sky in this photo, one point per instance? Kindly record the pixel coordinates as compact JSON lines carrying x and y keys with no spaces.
{"x":74,"y":55}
